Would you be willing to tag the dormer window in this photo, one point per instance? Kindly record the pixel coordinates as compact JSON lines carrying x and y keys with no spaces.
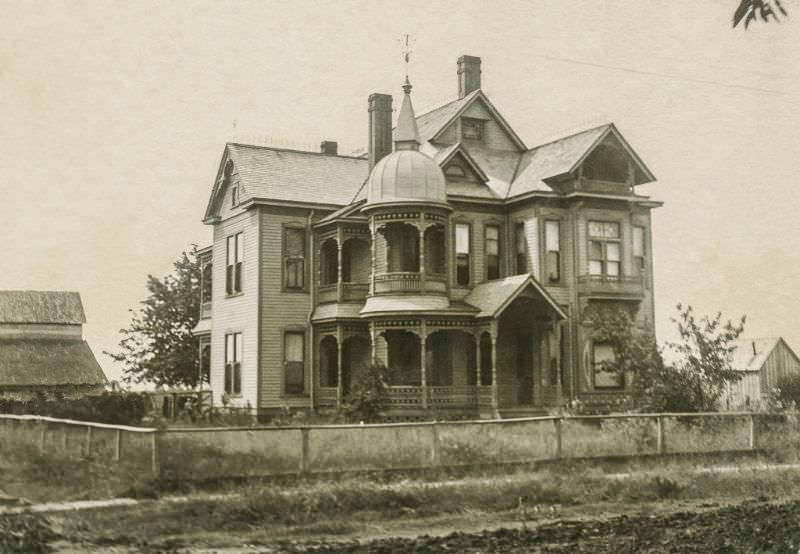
{"x":455,"y":171}
{"x":471,"y":129}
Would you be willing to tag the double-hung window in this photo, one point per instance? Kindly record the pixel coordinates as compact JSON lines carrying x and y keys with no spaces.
{"x":492,"y":251}
{"x":294,"y":258}
{"x":638,"y":250}
{"x":233,"y":363}
{"x":604,"y":249}
{"x":233,"y":267}
{"x":294,"y":362}
{"x":462,"y":253}
{"x":521,"y":248}
{"x":552,"y":239}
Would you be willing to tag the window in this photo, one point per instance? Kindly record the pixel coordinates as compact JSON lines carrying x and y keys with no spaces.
{"x":206,"y":282}
{"x":604,"y":371}
{"x":455,"y":171}
{"x":462,"y":253}
{"x":552,"y":232}
{"x":294,"y":258}
{"x":233,"y":363}
{"x":294,"y":362}
{"x":492,"y":251}
{"x":638,"y":250}
{"x":604,"y":249}
{"x":235,"y":195}
{"x":233,"y":269}
{"x":471,"y":128}
{"x":205,"y":360}
{"x":521,"y":248}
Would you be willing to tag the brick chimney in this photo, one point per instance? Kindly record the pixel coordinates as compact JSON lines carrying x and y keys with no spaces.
{"x":329,"y":147}
{"x":469,"y":75}
{"x":380,"y":127}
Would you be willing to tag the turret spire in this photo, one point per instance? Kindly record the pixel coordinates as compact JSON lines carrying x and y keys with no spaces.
{"x":406,"y":135}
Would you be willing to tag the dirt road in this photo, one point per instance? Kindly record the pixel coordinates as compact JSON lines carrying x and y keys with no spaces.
{"x":748,"y":527}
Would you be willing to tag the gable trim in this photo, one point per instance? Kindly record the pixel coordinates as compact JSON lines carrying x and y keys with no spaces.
{"x":612,"y":129}
{"x":530,"y":281}
{"x":492,"y":110}
{"x":459,"y":149}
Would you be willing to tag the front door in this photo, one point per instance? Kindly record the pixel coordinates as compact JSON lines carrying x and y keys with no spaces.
{"x":525,"y":369}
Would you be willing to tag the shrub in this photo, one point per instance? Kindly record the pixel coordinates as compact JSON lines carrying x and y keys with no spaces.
{"x":113,"y":408}
{"x":789,"y":390}
{"x":365,"y":402}
{"x":29,"y":533}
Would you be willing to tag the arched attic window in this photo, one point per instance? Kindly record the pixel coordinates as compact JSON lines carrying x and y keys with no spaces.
{"x":228,"y":176}
{"x":607,"y":163}
{"x":455,"y":170}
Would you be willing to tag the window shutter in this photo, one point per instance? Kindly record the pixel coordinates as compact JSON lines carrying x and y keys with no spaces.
{"x":532,"y":236}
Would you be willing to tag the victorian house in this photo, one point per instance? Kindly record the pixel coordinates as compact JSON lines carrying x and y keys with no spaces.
{"x":453,"y":253}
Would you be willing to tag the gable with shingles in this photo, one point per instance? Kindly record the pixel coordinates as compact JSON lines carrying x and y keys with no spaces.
{"x":44,"y":307}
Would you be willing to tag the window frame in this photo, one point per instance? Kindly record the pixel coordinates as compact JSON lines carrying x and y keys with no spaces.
{"x":492,"y":224}
{"x":593,"y":362}
{"x":234,"y":285}
{"x":233,"y":361}
{"x":285,"y":332}
{"x":604,"y":242}
{"x":639,"y":260}
{"x":559,"y":277}
{"x":520,"y":224}
{"x":285,"y":258}
{"x":473,"y":122}
{"x":456,"y":254}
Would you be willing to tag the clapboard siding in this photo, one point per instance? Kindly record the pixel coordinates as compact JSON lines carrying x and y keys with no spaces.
{"x":236,"y":314}
{"x":281,"y":310}
{"x":494,"y":136}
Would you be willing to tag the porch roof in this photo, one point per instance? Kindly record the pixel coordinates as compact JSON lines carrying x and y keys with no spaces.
{"x":379,"y":305}
{"x":492,"y":297}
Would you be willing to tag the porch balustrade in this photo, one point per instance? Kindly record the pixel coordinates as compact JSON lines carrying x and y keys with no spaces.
{"x":327,"y":293}
{"x":354,"y":291}
{"x":411,"y":396}
{"x":326,"y":396}
{"x":409,"y":281}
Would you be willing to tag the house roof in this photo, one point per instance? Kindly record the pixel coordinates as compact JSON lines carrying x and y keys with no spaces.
{"x":35,"y":306}
{"x":267,"y":173}
{"x":745,"y":359}
{"x":492,"y":297}
{"x":30,"y":362}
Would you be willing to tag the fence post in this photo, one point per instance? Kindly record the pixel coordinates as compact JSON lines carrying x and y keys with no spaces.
{"x":42,"y":436}
{"x":304,"y":436}
{"x":435,"y":453}
{"x":88,"y":440}
{"x":660,"y":434}
{"x":558,"y":422}
{"x":752,"y":442}
{"x":118,"y":446}
{"x":154,"y":454}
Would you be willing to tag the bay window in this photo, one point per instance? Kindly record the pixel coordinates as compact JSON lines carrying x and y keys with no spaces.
{"x":604,"y":249}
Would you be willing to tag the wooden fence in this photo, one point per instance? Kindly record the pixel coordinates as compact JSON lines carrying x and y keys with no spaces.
{"x":225,"y":452}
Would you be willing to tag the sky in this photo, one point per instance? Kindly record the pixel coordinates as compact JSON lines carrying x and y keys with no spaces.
{"x":114,"y":115}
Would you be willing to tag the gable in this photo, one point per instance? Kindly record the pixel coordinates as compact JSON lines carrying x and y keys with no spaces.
{"x":477,"y":118}
{"x":605,"y":159}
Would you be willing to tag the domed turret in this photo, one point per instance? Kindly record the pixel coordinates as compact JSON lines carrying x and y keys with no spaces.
{"x":406,"y":175}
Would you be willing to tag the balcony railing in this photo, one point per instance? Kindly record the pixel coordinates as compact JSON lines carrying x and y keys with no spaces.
{"x":327,"y":293}
{"x":409,"y":281}
{"x":354,"y":291}
{"x":611,"y":285}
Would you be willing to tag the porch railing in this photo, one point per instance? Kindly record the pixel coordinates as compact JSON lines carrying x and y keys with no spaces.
{"x":619,"y":285}
{"x":326,"y":396}
{"x":409,"y":281}
{"x":354,"y":291}
{"x":453,"y":395}
{"x":327,"y":293}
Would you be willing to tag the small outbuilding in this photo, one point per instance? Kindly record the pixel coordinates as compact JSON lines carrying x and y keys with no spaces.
{"x":42,"y":350}
{"x":762,"y":362}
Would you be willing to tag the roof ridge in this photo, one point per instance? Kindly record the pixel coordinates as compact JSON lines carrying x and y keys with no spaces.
{"x":293,"y":151}
{"x":570,"y":136}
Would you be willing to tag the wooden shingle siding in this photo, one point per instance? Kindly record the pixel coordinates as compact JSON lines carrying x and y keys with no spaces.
{"x":281,"y":310}
{"x":236,"y":313}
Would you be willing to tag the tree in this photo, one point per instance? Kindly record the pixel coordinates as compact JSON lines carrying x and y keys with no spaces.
{"x":705,"y":352}
{"x":158,"y":346}
{"x":749,"y":11}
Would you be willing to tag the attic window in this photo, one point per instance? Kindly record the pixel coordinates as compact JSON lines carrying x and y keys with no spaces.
{"x":471,"y":129}
{"x":235,"y":195}
{"x":455,"y":171}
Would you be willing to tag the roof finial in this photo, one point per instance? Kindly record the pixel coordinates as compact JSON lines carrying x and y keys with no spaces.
{"x":406,"y":41}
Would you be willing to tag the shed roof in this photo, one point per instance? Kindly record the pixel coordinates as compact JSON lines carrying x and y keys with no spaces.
{"x":31,"y":362}
{"x":36,"y":306}
{"x":750,"y":354}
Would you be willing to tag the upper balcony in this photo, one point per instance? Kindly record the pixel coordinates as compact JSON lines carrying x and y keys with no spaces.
{"x":409,"y":281}
{"x":611,"y":286}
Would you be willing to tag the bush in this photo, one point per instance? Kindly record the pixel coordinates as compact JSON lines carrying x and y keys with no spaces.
{"x":789,"y":390}
{"x":365,"y":402}
{"x":111,"y":408}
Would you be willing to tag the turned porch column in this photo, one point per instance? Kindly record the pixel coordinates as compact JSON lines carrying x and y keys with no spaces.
{"x":423,"y":338}
{"x":373,"y":236}
{"x":493,"y":335}
{"x":422,"y":251}
{"x":339,"y":372}
{"x":339,"y":287}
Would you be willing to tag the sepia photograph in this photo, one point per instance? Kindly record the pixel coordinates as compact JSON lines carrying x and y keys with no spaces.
{"x":400,"y":276}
